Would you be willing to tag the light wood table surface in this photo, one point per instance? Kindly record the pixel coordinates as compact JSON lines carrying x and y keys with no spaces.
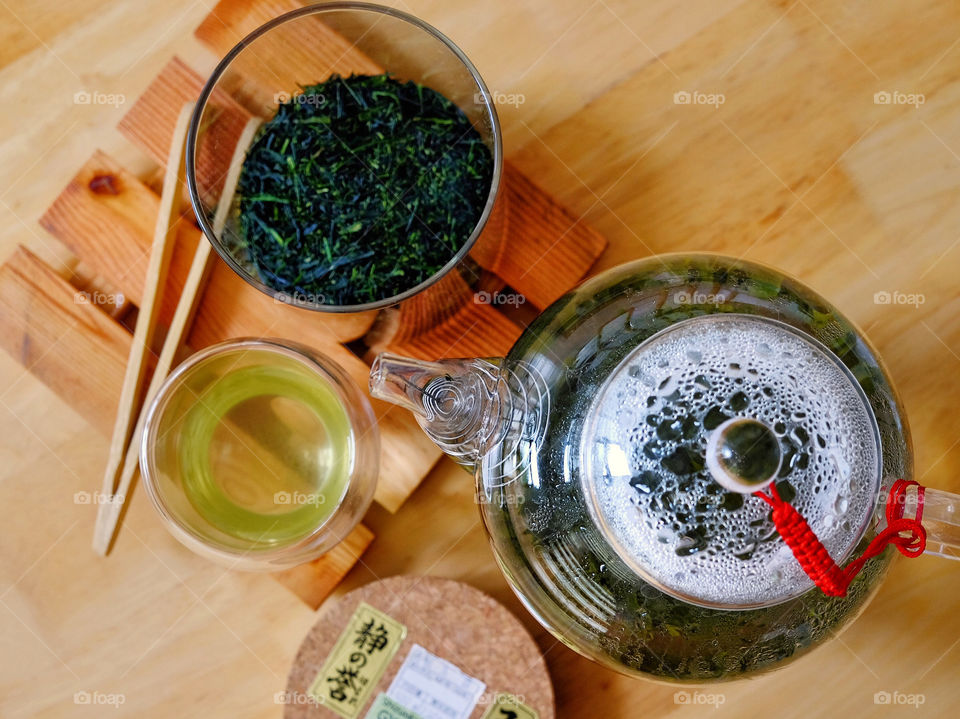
{"x":798,"y":166}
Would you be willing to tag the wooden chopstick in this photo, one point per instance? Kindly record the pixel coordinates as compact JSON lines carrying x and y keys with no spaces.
{"x":164,"y":237}
{"x":110,"y":513}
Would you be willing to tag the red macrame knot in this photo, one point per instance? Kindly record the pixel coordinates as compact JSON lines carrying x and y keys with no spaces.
{"x":816,"y":560}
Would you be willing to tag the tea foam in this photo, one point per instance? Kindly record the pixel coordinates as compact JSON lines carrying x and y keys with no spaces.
{"x":643,"y":458}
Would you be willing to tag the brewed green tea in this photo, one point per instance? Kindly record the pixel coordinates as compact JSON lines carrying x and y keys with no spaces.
{"x":265,"y":452}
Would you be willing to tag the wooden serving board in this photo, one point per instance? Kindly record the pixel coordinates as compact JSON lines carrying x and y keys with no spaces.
{"x":105,"y":216}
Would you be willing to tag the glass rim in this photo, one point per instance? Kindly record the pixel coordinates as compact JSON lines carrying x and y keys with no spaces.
{"x":174,"y":523}
{"x":194,"y":130}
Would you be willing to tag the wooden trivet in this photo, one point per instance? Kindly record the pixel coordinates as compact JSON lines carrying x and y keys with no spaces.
{"x":450,"y":619}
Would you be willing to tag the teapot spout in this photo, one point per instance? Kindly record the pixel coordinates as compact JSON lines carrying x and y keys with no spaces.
{"x":461,"y":404}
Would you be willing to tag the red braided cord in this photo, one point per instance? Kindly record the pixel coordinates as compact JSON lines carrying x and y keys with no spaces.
{"x":816,"y":560}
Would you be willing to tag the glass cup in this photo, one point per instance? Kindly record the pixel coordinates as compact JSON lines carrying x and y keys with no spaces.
{"x":260,"y":454}
{"x":307,"y":46}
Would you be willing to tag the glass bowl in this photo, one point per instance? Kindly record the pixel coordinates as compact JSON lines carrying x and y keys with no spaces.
{"x":304,"y":47}
{"x":260,"y":454}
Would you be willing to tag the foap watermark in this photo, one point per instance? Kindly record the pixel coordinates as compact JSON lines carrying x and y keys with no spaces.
{"x":499,"y":298}
{"x":301,"y":98}
{"x":905,"y":501}
{"x":298,"y":298}
{"x":296,"y":698}
{"x":99,"y":699}
{"x":700,"y":699}
{"x":299,"y":498}
{"x":895,"y":97}
{"x":501,"y":699}
{"x":505,"y":499}
{"x":83,"y":297}
{"x":914,"y":299}
{"x":87,"y":97}
{"x":501,"y":98}
{"x":97,"y":498}
{"x":900,"y":699}
{"x":684,"y":297}
{"x":685,"y":97}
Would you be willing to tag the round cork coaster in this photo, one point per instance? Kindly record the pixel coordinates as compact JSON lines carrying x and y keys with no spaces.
{"x":451,"y":620}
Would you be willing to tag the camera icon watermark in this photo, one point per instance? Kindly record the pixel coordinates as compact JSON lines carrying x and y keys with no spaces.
{"x":688,"y":698}
{"x":85,"y":698}
{"x":895,"y":97}
{"x":900,"y":699}
{"x":499,"y":298}
{"x":914,"y":299}
{"x":301,"y":98}
{"x":299,"y":498}
{"x":87,"y":97}
{"x":685,"y":97}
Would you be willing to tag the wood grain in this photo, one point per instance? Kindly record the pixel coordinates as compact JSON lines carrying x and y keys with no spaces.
{"x":149,"y":124}
{"x":597,"y":121}
{"x":88,"y":218}
{"x":105,"y":216}
{"x":308,"y":43}
{"x":135,"y":380}
{"x":67,"y":342}
{"x":314,"y":581}
{"x":109,"y":514}
{"x":464,"y":324}
{"x":80,"y":352}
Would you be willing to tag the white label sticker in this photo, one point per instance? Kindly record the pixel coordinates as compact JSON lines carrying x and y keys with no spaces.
{"x":434,"y":688}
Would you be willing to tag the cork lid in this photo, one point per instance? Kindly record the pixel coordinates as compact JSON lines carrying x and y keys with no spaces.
{"x":450,"y":620}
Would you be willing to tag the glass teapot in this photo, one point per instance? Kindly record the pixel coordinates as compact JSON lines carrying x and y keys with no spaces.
{"x":676,"y":460}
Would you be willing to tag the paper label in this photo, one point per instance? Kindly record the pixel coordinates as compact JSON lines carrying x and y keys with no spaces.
{"x":385,"y":708}
{"x":435,"y":688}
{"x":358,"y":660}
{"x":507,"y":706}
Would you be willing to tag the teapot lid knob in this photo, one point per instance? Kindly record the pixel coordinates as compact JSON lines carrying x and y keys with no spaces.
{"x":743,"y":455}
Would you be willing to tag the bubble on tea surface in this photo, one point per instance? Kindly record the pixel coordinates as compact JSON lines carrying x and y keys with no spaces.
{"x":644,"y":470}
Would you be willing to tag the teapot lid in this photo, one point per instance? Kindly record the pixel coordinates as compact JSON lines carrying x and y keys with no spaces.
{"x":667,"y":406}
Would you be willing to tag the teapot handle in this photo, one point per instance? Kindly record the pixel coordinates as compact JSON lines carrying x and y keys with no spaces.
{"x":940,"y":519}
{"x":743,"y":456}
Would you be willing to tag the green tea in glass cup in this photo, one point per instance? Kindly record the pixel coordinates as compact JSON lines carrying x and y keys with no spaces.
{"x":260,"y":453}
